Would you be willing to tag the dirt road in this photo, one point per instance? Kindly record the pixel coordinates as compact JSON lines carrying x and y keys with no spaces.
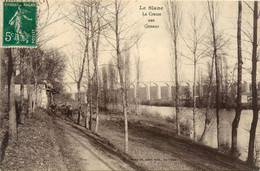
{"x":91,"y":156}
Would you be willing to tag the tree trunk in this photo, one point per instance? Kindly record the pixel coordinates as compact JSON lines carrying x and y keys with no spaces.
{"x":126,"y":122}
{"x":97,"y":103}
{"x":250,"y":157}
{"x":177,"y":88}
{"x":21,"y":116}
{"x":96,"y":68}
{"x":90,"y":112}
{"x":89,"y":94}
{"x":36,"y":93}
{"x":226,"y":82}
{"x":29,"y":88}
{"x":90,"y":102}
{"x":79,"y":102}
{"x":12,"y":113}
{"x":29,"y":93}
{"x":194,"y":100}
{"x":11,"y":97}
{"x":119,"y":63}
{"x":34,"y":102}
{"x":206,"y":126}
{"x":137,"y":98}
{"x":200,"y":84}
{"x":87,"y":119}
{"x":234,"y":149}
{"x":213,"y":22}
{"x":217,"y":95}
{"x":221,"y":93}
{"x":48,"y":99}
{"x":209,"y":100}
{"x":138,"y":70}
{"x":124,"y":100}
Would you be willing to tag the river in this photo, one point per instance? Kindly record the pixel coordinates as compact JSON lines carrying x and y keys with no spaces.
{"x":226,"y":118}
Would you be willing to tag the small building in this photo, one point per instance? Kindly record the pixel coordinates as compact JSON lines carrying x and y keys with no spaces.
{"x":39,"y":96}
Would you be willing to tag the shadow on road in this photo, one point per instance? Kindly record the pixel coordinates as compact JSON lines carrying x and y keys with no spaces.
{"x":103,"y":144}
{"x":100,"y":159}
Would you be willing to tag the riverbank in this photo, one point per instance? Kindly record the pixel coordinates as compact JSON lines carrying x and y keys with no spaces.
{"x":199,"y":104}
{"x":153,"y":144}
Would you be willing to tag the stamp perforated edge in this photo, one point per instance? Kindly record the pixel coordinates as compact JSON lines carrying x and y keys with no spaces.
{"x":1,"y":21}
{"x":1,"y":25}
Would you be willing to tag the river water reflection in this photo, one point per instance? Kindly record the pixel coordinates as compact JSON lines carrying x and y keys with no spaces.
{"x":226,"y":118}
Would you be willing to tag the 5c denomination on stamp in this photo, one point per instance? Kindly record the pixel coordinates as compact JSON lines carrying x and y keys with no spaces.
{"x":19,"y":24}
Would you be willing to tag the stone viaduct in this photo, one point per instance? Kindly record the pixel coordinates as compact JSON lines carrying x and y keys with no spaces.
{"x":157,"y":90}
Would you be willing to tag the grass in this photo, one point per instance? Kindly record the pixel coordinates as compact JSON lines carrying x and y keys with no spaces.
{"x":3,"y":138}
{"x":3,"y":125}
{"x":153,"y":144}
{"x":142,"y":148}
{"x":149,"y":114}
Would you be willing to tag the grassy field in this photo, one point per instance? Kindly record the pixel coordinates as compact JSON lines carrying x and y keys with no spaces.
{"x":111,"y":127}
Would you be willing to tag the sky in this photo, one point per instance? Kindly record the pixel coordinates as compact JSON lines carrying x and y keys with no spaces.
{"x":155,"y":43}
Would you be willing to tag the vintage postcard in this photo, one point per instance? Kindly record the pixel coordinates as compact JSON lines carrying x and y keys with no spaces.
{"x":129,"y":85}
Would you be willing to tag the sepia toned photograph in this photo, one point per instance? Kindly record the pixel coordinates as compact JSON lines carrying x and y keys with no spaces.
{"x":129,"y":85}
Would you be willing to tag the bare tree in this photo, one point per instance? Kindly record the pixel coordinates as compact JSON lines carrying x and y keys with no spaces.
{"x":122,"y":31}
{"x":22,"y":69}
{"x":87,"y":22}
{"x":234,"y":150}
{"x":126,"y":69}
{"x":80,"y":21}
{"x":112,"y":77}
{"x":37,"y":72}
{"x":213,"y":22}
{"x":11,"y":96}
{"x":173,"y":24}
{"x":195,"y":46}
{"x":216,"y":51}
{"x":45,"y":19}
{"x":28,"y":83}
{"x":226,"y":80}
{"x":95,"y":46}
{"x":138,"y":75}
{"x":47,"y":16}
{"x":209,"y":100}
{"x":88,"y":123}
{"x":250,"y":157}
{"x":105,"y":87}
{"x":88,"y":120}
{"x":118,"y":7}
{"x":77,"y":76}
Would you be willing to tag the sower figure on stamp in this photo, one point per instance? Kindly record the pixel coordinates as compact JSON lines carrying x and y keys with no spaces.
{"x":17,"y":21}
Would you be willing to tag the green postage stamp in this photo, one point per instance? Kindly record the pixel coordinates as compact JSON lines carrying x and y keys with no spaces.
{"x":19,"y":24}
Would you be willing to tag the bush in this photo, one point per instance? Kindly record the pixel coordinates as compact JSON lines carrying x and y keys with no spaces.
{"x":169,"y":119}
{"x":225,"y":148}
{"x":4,"y":105}
{"x":147,"y":113}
